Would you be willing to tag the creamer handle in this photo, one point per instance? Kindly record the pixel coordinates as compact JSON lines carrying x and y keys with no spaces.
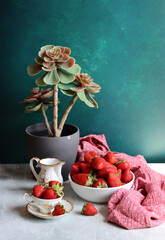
{"x":32,"y":167}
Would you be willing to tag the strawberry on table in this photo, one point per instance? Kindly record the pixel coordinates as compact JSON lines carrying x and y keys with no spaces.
{"x":83,"y":179}
{"x":110,"y":157}
{"x":100,"y":183}
{"x":38,"y":191}
{"x":89,"y":209}
{"x":113,"y":180}
{"x":58,"y":210}
{"x":85,"y":168}
{"x":123,"y":164}
{"x":126,"y":175}
{"x":98,"y":163}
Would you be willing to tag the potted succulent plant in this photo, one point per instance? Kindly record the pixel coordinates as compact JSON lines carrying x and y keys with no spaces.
{"x":56,"y":139}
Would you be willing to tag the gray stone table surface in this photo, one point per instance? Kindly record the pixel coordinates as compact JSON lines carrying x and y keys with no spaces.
{"x":17,"y":224}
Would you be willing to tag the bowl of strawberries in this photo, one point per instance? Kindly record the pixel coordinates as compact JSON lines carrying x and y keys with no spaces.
{"x":97,"y":178}
{"x":45,"y":198}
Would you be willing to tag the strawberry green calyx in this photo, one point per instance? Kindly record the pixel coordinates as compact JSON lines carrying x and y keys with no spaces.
{"x":95,"y":156}
{"x":62,"y":207}
{"x":102,"y":185}
{"x":58,"y":189}
{"x":90,"y":180}
{"x":84,"y":208}
{"x":123,"y":160}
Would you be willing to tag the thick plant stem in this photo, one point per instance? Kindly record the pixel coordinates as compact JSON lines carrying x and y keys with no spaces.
{"x":50,"y":134}
{"x":55,"y":111}
{"x":65,"y":115}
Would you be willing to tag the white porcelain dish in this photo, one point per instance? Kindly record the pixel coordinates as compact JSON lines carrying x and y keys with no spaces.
{"x":33,"y":210}
{"x":97,"y":195}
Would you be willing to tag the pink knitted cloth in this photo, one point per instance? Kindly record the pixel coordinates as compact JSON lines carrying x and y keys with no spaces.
{"x":92,"y":142}
{"x":144,"y":205}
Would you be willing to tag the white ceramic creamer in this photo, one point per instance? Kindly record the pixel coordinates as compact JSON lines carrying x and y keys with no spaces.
{"x":50,"y":169}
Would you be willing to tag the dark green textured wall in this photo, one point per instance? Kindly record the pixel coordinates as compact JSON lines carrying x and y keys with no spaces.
{"x":121,"y":44}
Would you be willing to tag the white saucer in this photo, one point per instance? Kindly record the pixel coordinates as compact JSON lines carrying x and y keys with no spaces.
{"x":35,"y":212}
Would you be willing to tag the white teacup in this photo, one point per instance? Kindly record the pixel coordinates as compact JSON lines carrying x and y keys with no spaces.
{"x":44,"y":205}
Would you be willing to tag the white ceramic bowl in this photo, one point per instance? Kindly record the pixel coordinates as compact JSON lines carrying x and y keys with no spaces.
{"x":98,"y":195}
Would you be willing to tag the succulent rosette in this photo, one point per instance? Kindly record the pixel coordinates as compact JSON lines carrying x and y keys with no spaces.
{"x":57,"y":63}
{"x":39,"y":100}
{"x":62,"y":73}
{"x":83,"y":86}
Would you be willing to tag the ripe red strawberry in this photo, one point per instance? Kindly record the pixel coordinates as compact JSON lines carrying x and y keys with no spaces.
{"x":98,"y":163}
{"x":49,"y":194}
{"x":123,"y":164}
{"x":38,"y":191}
{"x":100,"y":183}
{"x":85,"y":168}
{"x":58,"y":210}
{"x":51,"y":183}
{"x":126,"y":175}
{"x":84,"y":179}
{"x":103,"y":173}
{"x":110,"y":157}
{"x":113,"y":180}
{"x":94,"y":154}
{"x":88,"y":158}
{"x":107,"y":164}
{"x":118,"y":173}
{"x":89,"y":209}
{"x":74,"y":169}
{"x":123,"y":183}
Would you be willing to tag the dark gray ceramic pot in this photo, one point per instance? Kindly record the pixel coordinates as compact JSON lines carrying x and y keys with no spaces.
{"x":64,"y":147}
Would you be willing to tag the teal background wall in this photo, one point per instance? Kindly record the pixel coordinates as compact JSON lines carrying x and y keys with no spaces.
{"x":121,"y":44}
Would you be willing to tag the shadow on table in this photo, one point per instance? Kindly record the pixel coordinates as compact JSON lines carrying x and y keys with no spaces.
{"x":15,"y":171}
{"x":104,"y":211}
{"x":22,"y":212}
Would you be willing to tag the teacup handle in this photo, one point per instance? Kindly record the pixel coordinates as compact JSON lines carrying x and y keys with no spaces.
{"x":32,"y":167}
{"x":27,"y":197}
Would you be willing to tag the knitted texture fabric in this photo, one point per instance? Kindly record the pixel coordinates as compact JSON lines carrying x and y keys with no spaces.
{"x":144,"y":205}
{"x":92,"y":142}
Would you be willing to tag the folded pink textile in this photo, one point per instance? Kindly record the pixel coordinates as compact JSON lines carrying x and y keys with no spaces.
{"x":144,"y":205}
{"x":92,"y":142}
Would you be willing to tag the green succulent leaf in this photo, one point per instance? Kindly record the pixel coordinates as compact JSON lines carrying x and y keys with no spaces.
{"x":32,"y":108}
{"x":74,"y":70}
{"x":39,"y":60}
{"x":68,"y":92}
{"x":46,"y":47}
{"x":30,"y":100}
{"x":77,"y":88}
{"x":49,"y":103}
{"x":93,"y":101}
{"x":64,"y":86}
{"x":40,"y":81}
{"x":65,"y":77}
{"x":84,"y":98}
{"x":34,"y":69}
{"x":52,"y":77}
